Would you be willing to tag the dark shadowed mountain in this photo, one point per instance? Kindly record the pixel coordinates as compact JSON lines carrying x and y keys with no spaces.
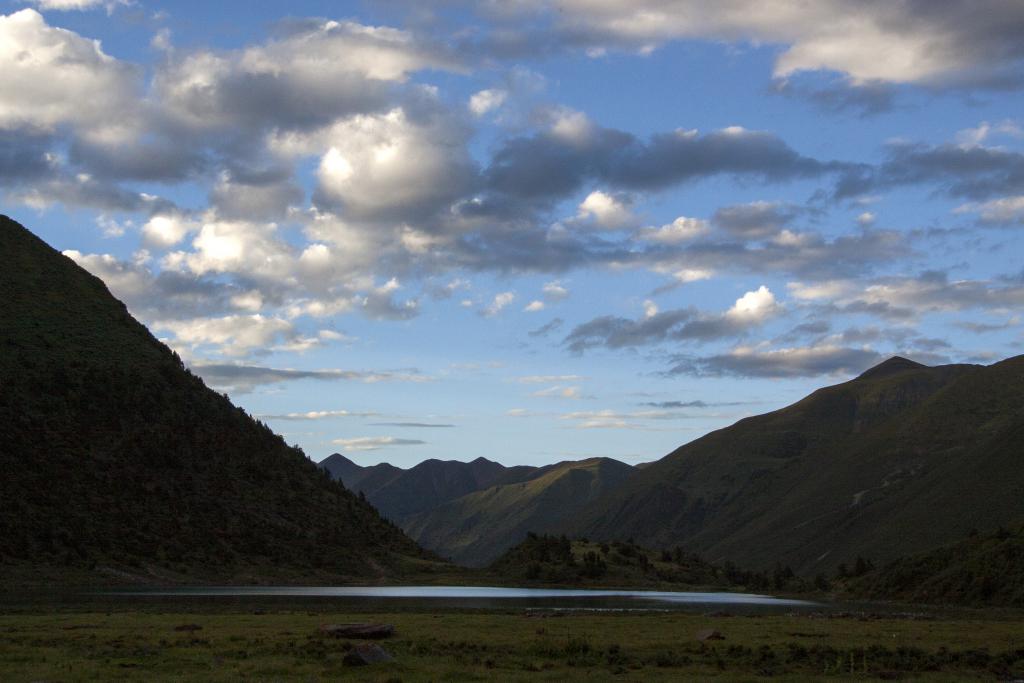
{"x":115,"y":457}
{"x":356,"y":478}
{"x":399,"y":493}
{"x":473,"y":511}
{"x":899,"y":460}
{"x":476,"y":528}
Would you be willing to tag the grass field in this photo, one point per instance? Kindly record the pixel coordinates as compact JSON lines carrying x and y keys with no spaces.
{"x":281,"y":642}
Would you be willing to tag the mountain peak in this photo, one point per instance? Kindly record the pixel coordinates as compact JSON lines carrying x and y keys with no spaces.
{"x":337,"y":459}
{"x":891,"y":367}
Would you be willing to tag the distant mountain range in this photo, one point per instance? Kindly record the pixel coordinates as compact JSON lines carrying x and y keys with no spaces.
{"x":116,"y":461}
{"x":474,"y":511}
{"x":902,"y":459}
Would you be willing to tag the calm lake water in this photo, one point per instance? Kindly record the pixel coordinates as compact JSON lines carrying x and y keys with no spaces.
{"x":484,"y":596}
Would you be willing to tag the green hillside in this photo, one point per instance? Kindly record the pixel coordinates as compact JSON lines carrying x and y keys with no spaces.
{"x":984,"y":569}
{"x":556,"y":560}
{"x":476,"y":528}
{"x":118,"y":462}
{"x":899,"y":460}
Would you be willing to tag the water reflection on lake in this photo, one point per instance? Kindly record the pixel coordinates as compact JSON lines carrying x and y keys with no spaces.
{"x":485,"y":596}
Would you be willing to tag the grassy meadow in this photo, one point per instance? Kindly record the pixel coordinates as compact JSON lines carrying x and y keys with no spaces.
{"x":230,"y":640}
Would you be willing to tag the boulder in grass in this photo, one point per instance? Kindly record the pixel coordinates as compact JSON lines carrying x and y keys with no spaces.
{"x":364,"y":654}
{"x":188,"y":627}
{"x":707,"y":634}
{"x":365,"y":631}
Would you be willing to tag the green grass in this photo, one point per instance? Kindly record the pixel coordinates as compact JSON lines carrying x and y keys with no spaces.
{"x":237,"y":642}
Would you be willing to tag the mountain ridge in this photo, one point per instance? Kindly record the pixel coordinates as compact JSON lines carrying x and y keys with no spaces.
{"x":116,"y":456}
{"x":836,"y":474}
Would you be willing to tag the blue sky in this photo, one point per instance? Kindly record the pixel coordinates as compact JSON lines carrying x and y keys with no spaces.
{"x":530,"y":231}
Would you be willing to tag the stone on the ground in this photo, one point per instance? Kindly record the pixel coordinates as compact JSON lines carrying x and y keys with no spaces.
{"x":188,"y":627}
{"x":707,"y":634}
{"x":364,"y":654}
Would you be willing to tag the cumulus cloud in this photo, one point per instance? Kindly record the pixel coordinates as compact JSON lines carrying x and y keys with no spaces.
{"x":903,"y":297}
{"x":166,"y":230}
{"x":318,"y":72}
{"x":233,"y":335}
{"x":682,"y":229}
{"x":555,"y":163}
{"x":876,"y":41}
{"x":684,"y":324}
{"x":756,"y":219}
{"x":388,"y":165}
{"x":486,"y":101}
{"x":973,"y":172}
{"x":605,"y":211}
{"x":50,"y":76}
{"x":555,"y":290}
{"x":500,"y":301}
{"x":1002,"y":211}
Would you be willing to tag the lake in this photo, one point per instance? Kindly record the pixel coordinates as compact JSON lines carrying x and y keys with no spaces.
{"x":484,"y":597}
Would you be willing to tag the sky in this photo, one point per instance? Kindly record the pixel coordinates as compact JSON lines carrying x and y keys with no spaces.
{"x":533,"y":230}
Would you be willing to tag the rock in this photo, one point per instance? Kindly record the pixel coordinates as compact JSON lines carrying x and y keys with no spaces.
{"x":707,"y":634}
{"x":188,"y":627}
{"x":367,"y":653}
{"x":373,"y":631}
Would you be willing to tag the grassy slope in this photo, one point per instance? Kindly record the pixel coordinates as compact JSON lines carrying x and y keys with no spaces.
{"x":984,"y":569}
{"x":114,"y":456}
{"x":900,"y":460}
{"x":478,"y":527}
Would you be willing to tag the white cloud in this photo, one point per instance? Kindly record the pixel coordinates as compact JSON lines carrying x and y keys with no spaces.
{"x":166,"y":230}
{"x":754,"y":306}
{"x":555,"y":290}
{"x":487,"y":100}
{"x":973,"y":137}
{"x":111,"y":227}
{"x":534,"y":306}
{"x":650,"y":309}
{"x":682,"y":229}
{"x":828,"y":289}
{"x":319,"y":415}
{"x":233,"y":335}
{"x":243,"y":247}
{"x":499,"y":302}
{"x":1002,"y":210}
{"x":79,"y":5}
{"x":376,"y":165}
{"x":877,"y":41}
{"x":605,"y":211}
{"x":548,"y":379}
{"x":51,"y":76}
{"x":559,"y":391}
{"x":373,"y":443}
